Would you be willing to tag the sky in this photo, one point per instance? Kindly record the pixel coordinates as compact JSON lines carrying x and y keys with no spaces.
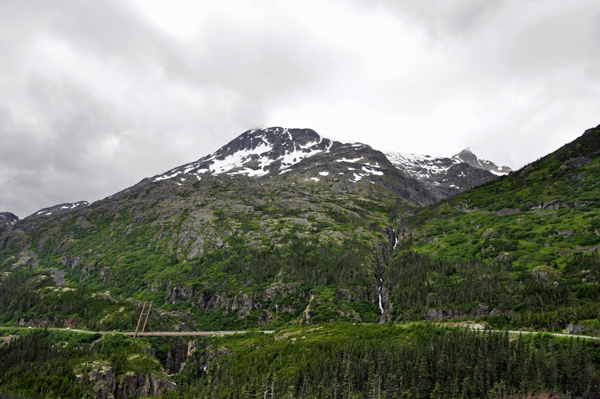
{"x":97,"y":95}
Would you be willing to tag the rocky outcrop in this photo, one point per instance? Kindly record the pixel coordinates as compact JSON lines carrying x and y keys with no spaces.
{"x":507,"y":211}
{"x":453,"y":313}
{"x":77,"y":263}
{"x":48,"y":322}
{"x":14,"y":238}
{"x":8,"y":219}
{"x":130,"y":385}
{"x":178,"y":294}
{"x":141,"y":386}
{"x":58,"y":209}
{"x":503,"y":257}
{"x":24,"y":259}
{"x":7,"y":340}
{"x":242,"y":302}
{"x":575,"y":163}
{"x":71,"y":262}
{"x":176,"y":356}
{"x":575,"y":329}
{"x":82,"y":223}
{"x":58,"y":276}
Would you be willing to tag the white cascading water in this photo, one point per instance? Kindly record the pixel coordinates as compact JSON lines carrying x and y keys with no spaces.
{"x":379,"y":289}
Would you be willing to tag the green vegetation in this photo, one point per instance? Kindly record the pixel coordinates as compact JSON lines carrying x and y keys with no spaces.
{"x":545,"y":299}
{"x":539,"y":216}
{"x":315,"y":262}
{"x":62,"y":364}
{"x":389,"y":361}
{"x":416,"y":360}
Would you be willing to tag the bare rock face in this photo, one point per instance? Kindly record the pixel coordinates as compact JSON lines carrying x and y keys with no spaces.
{"x":575,"y":163}
{"x":25,"y":258}
{"x":103,"y":378}
{"x":176,"y":356}
{"x":59,"y":209}
{"x":433,"y":315}
{"x":447,"y":176}
{"x":131,"y":385}
{"x":453,"y":313}
{"x":141,"y":386}
{"x":575,"y":329}
{"x":503,"y":257}
{"x":179,"y":294}
{"x":59,"y":277}
{"x":8,"y":219}
{"x":7,"y":340}
{"x":71,"y":262}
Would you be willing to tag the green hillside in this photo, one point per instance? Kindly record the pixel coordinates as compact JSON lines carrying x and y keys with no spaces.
{"x":541,"y":215}
{"x":369,"y":295}
{"x":229,"y":252}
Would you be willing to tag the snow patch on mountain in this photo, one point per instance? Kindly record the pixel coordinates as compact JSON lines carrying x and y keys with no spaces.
{"x":275,"y":151}
{"x":60,"y":209}
{"x":427,"y":166}
{"x":255,"y":152}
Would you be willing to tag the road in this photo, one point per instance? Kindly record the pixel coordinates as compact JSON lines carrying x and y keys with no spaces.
{"x":542,"y":332}
{"x":210,"y":333}
{"x":149,"y":334}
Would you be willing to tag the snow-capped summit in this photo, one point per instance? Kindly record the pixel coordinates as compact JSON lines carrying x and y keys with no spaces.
{"x":467,"y":156}
{"x":8,"y":219}
{"x":303,"y":155}
{"x":445,"y":176}
{"x":257,"y":152}
{"x":59,"y":209}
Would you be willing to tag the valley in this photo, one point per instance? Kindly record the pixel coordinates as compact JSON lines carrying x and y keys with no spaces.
{"x":370,"y":268}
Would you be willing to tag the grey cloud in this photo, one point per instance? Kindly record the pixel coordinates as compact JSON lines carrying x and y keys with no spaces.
{"x":441,"y":19}
{"x":95,"y":96}
{"x":173,"y":102}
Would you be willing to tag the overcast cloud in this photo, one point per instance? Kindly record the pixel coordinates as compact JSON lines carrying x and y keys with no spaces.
{"x":96,"y":95}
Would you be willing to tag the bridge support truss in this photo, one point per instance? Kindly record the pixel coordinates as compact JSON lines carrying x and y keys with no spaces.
{"x":147,"y":314}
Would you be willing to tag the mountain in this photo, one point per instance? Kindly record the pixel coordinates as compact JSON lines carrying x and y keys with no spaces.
{"x":538,"y":216}
{"x":59,"y":209}
{"x":8,"y":219}
{"x":303,"y":155}
{"x":444,"y":176}
{"x":468,"y":157}
{"x":273,"y":214}
{"x":283,"y":230}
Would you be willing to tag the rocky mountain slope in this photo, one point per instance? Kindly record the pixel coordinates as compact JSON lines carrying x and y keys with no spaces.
{"x":281,"y":229}
{"x":300,"y":155}
{"x":8,"y":219}
{"x":271,"y":214}
{"x":283,"y":226}
{"x":538,"y":216}
{"x":444,"y":176}
{"x":59,"y":209}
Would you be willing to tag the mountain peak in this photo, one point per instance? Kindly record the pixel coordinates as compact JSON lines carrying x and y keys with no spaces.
{"x":60,"y":209}
{"x":468,"y":157}
{"x":8,"y":219}
{"x":299,"y":155}
{"x":257,"y":152}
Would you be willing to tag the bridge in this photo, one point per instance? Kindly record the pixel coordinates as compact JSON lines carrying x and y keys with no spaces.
{"x":147,"y":312}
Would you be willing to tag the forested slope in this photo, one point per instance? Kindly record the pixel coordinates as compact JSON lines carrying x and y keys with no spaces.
{"x":354,"y":278}
{"x":537,"y":216}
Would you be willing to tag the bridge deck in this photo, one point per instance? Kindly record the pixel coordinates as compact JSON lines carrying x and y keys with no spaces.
{"x":171,"y":334}
{"x":191,"y":333}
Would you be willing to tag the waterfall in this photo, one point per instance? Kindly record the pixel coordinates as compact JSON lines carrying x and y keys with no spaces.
{"x":379,"y":290}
